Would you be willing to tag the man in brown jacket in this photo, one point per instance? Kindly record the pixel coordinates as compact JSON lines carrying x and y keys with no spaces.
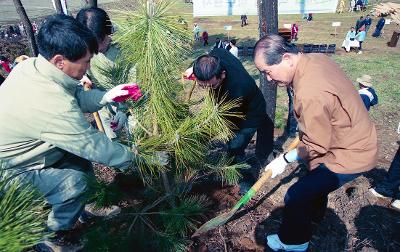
{"x":338,"y":140}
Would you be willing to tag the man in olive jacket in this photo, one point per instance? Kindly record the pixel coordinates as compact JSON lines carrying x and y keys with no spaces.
{"x":45,"y":138}
{"x":338,"y":140}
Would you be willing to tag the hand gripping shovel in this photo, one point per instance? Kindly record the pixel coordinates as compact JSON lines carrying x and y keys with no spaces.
{"x":225,"y":217}
{"x":95,"y":114}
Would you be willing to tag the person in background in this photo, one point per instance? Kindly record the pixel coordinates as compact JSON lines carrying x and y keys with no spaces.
{"x":367,"y":22}
{"x":226,"y":44}
{"x":359,"y":5}
{"x":234,"y":50}
{"x":359,"y":23}
{"x":196,"y":31}
{"x":21,"y":28}
{"x":389,"y":187}
{"x":379,"y":26}
{"x":360,"y":37}
{"x":338,"y":141}
{"x":34,"y":27}
{"x":310,"y":17}
{"x":294,"y":32}
{"x":242,"y":19}
{"x":5,"y":63}
{"x":349,"y":41}
{"x":352,"y":4}
{"x":204,"y":35}
{"x":367,"y":93}
{"x":218,"y":43}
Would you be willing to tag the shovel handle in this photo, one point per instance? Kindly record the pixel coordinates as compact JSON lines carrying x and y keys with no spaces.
{"x":268,"y":173}
{"x":96,"y":115}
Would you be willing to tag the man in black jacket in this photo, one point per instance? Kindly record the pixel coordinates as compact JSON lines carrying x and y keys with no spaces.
{"x":225,"y":74}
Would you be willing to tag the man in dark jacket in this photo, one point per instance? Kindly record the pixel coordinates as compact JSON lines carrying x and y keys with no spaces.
{"x":225,"y":75}
{"x":367,"y":22}
{"x":360,"y":22}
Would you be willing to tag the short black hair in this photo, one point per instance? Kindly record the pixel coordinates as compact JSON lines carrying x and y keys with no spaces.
{"x":272,"y":47}
{"x":62,"y":34}
{"x":206,"y":67}
{"x":233,"y":41}
{"x":97,"y":20}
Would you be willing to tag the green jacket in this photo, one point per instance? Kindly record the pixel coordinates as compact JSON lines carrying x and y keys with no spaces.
{"x":41,"y":115}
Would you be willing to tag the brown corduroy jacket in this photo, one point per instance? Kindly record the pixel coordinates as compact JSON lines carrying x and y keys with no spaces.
{"x":335,"y":126}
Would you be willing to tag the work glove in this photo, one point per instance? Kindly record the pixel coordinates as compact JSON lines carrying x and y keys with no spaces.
{"x":121,"y":93}
{"x":189,"y":75}
{"x":160,"y":158}
{"x":85,"y":81}
{"x":277,"y":166}
{"x":118,"y":121}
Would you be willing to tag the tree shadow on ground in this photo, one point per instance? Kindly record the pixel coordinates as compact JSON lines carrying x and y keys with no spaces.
{"x":329,"y":236}
{"x":377,"y":228}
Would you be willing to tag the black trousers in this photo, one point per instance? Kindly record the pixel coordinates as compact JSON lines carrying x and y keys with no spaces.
{"x":306,"y":201}
{"x":390,"y":185}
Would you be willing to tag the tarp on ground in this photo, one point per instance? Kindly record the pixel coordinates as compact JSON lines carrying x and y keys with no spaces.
{"x":249,"y":7}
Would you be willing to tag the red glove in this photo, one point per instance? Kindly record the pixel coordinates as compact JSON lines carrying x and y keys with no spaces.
{"x":133,"y":92}
{"x":189,"y":75}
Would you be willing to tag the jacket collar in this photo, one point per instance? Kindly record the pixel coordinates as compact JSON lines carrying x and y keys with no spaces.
{"x":301,"y":65}
{"x":50,"y":71}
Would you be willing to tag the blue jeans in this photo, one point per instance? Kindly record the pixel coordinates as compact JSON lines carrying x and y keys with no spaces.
{"x":306,"y":201}
{"x":64,"y":186}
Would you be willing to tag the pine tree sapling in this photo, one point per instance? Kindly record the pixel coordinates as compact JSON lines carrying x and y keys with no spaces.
{"x":22,"y":218}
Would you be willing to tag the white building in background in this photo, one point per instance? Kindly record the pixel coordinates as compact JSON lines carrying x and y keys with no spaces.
{"x":203,"y":8}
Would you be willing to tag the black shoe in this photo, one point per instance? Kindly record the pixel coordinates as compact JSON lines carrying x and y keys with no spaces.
{"x":59,"y":243}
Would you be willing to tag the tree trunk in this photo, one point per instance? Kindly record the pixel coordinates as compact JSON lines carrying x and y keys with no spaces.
{"x":27,"y":26}
{"x":268,"y":24}
{"x":58,"y":5}
{"x":92,"y":3}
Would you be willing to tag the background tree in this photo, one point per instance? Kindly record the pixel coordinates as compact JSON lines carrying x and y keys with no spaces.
{"x":58,"y":5}
{"x":27,"y":26}
{"x":268,"y":24}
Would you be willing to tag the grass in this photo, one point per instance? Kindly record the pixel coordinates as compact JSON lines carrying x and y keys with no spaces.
{"x":378,"y":60}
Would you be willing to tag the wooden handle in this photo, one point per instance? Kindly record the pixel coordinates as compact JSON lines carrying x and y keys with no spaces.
{"x":268,"y":173}
{"x":96,"y":115}
{"x":293,"y":144}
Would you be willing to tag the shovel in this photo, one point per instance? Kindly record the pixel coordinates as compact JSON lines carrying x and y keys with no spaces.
{"x":95,"y":114}
{"x":225,"y":217}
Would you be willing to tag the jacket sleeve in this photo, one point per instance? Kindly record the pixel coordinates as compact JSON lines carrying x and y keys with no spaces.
{"x":89,"y":101}
{"x":315,"y":126}
{"x":71,"y":132}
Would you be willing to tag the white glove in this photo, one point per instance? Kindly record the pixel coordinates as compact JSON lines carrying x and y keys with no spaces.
{"x":86,"y":81}
{"x":160,"y":158}
{"x":118,"y":121}
{"x":277,"y":166}
{"x":114,"y":93}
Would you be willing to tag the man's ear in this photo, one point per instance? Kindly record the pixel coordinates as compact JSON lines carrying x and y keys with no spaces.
{"x":287,"y":57}
{"x":58,"y":61}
